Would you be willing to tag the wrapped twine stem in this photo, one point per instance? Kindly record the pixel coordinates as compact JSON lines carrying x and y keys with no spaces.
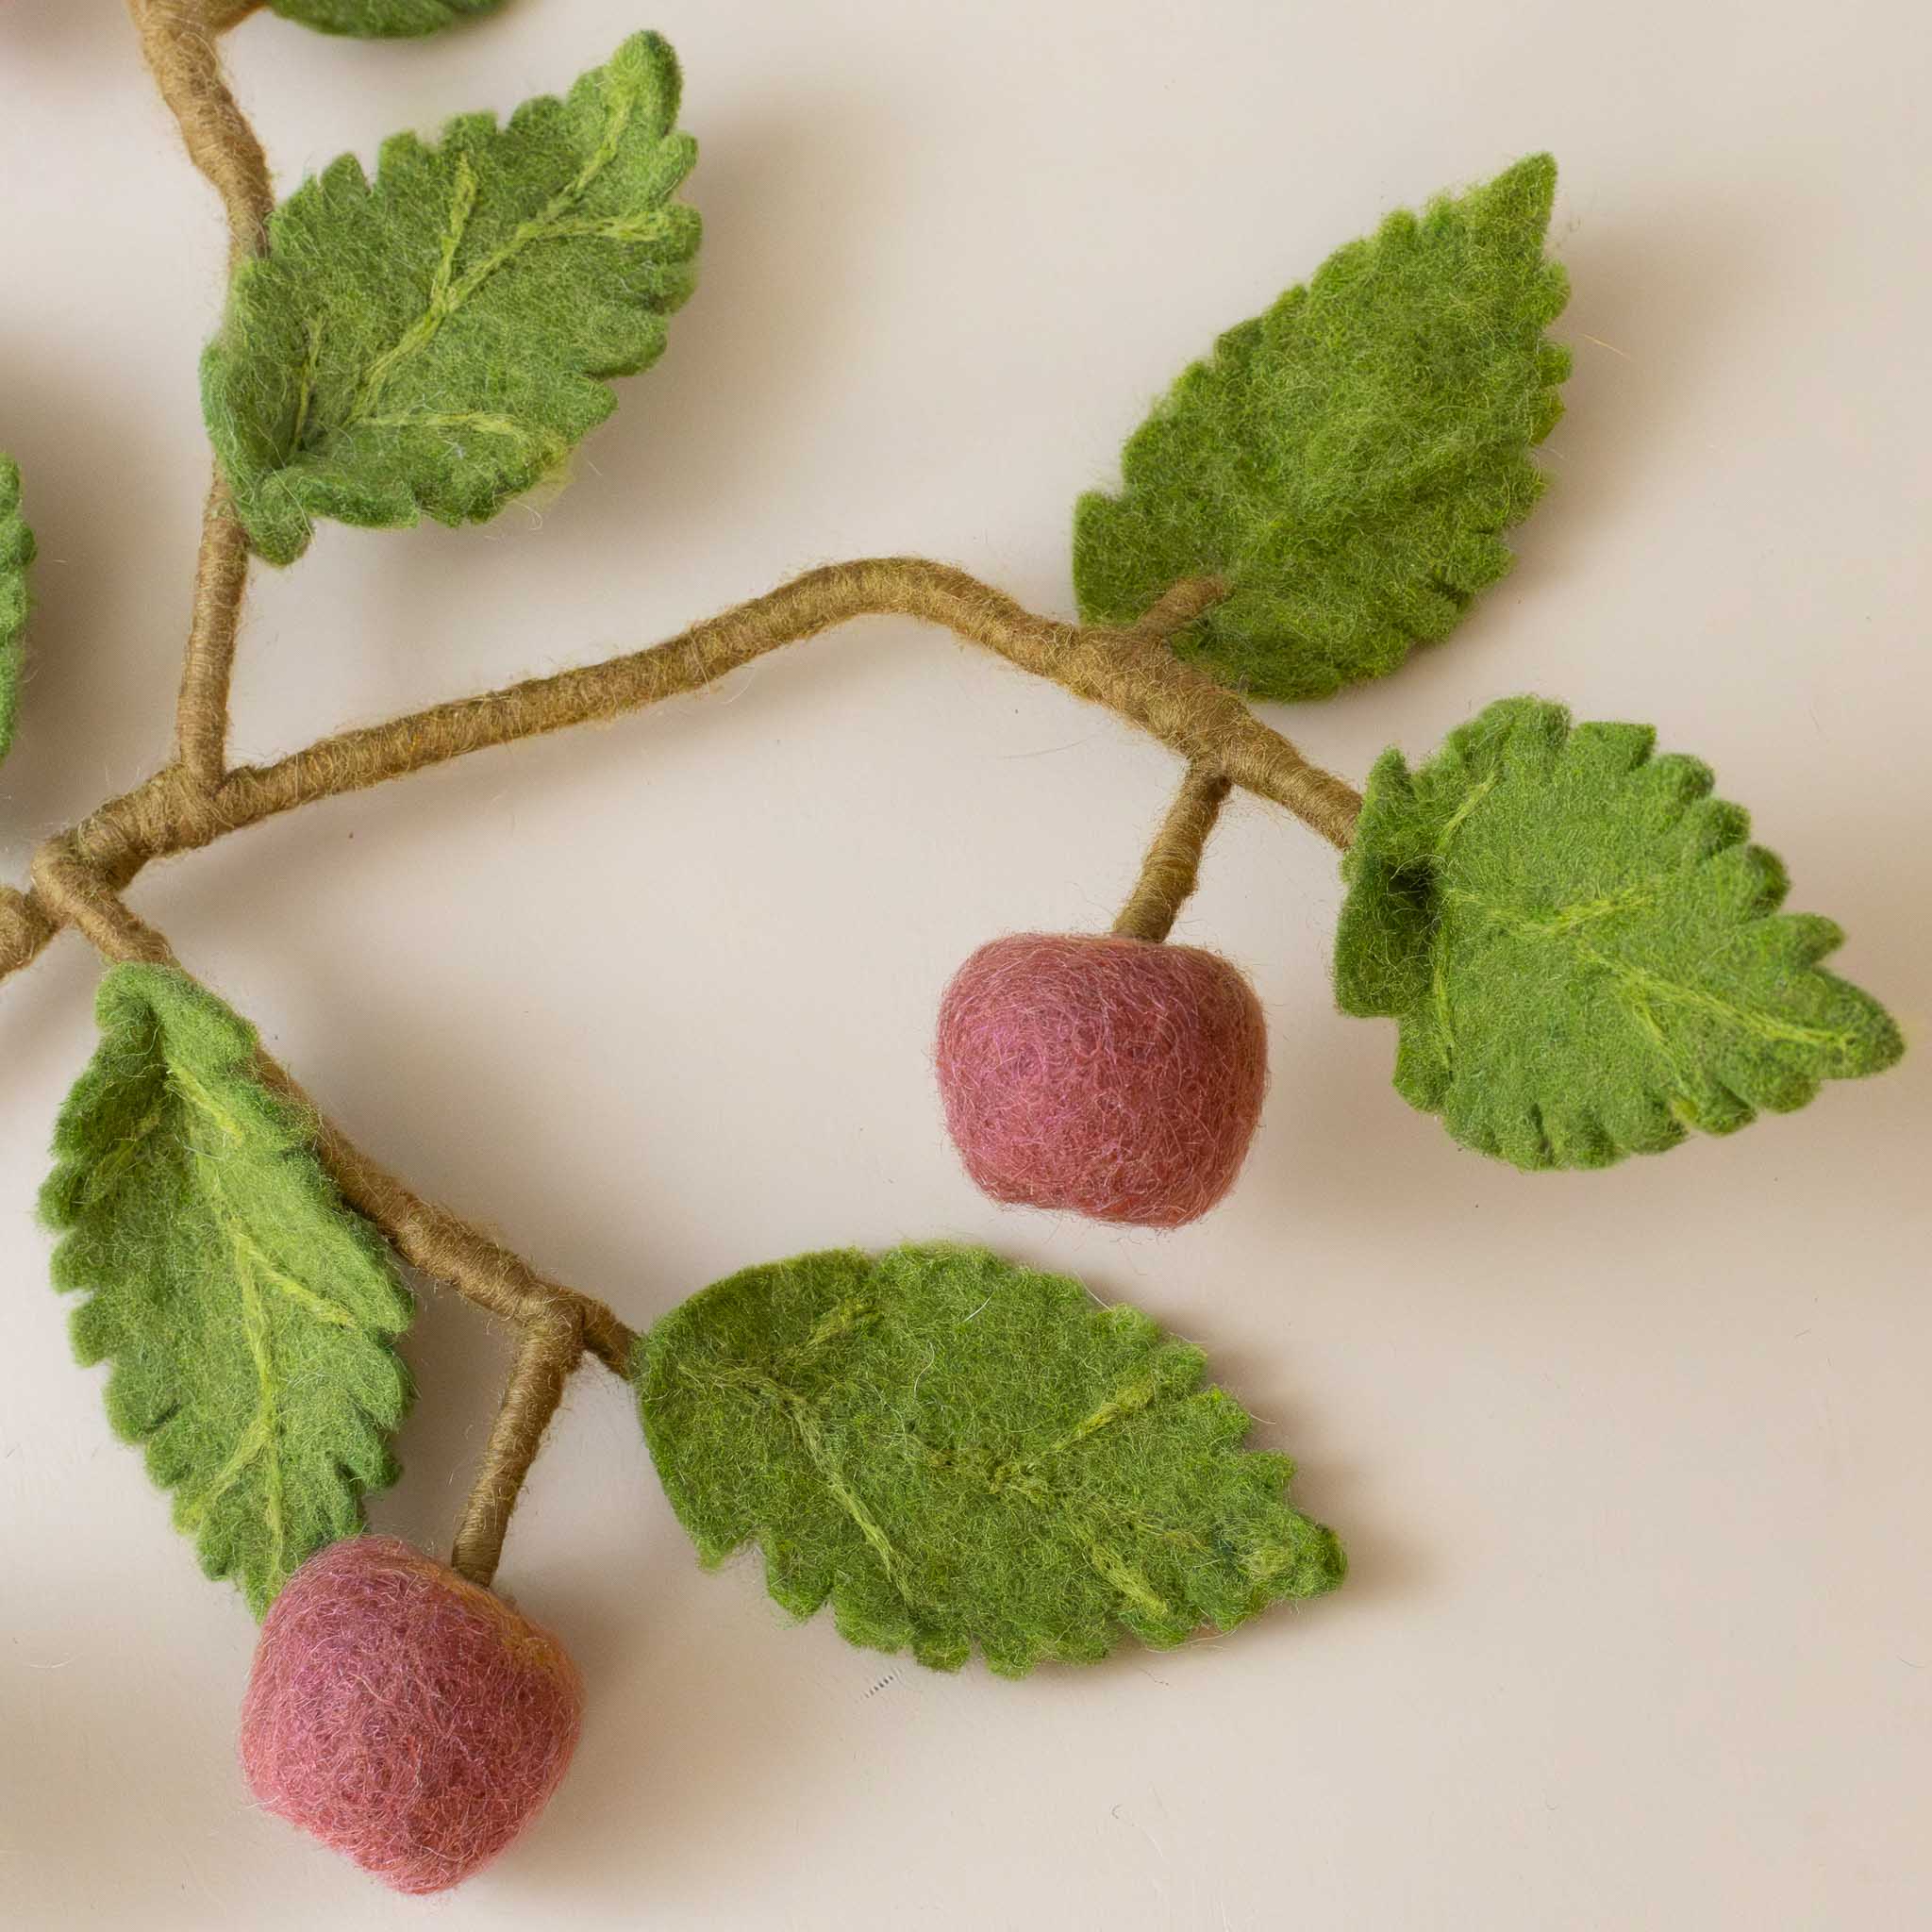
{"x":78,"y":874}
{"x":1173,"y":866}
{"x":1129,"y":671}
{"x":220,"y":576}
{"x":179,"y":41}
{"x":557,"y":1325}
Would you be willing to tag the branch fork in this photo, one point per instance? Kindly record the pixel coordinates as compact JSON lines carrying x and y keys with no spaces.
{"x":79,"y":874}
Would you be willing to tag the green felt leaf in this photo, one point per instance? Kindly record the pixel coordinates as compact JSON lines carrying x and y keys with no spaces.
{"x":249,"y":1314}
{"x":16,"y":553}
{"x":959,"y":1452}
{"x":381,"y":20}
{"x":1348,"y":461}
{"x":437,"y":341}
{"x":1585,"y":955}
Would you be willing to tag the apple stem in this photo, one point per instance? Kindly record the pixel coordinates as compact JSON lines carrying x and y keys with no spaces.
{"x":559,"y":1324}
{"x":78,"y":874}
{"x":1173,"y":866}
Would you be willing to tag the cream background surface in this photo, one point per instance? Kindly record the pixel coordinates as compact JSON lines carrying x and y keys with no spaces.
{"x":1632,"y":1466}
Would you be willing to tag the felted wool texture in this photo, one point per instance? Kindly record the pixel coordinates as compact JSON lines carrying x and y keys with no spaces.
{"x":959,"y":1454}
{"x":16,"y":553}
{"x":1113,"y":1078}
{"x":436,"y":340}
{"x":249,"y":1314}
{"x":381,"y":18}
{"x":1584,"y":954}
{"x":1347,"y":462}
{"x":407,"y":1718}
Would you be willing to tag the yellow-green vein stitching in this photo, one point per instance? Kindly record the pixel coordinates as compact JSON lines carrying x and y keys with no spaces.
{"x":447,"y":297}
{"x":1765,"y":1025}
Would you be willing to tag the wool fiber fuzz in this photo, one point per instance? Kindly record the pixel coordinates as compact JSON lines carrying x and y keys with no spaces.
{"x":961,"y":1455}
{"x":1347,"y":462}
{"x":436,"y":340}
{"x":1584,"y":952}
{"x":16,"y":553}
{"x":410,"y":1720}
{"x":1116,"y":1078}
{"x":249,"y":1315}
{"x":381,"y":18}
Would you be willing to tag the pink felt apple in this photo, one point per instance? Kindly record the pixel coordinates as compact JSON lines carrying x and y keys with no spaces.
{"x":1116,"y":1077}
{"x":407,"y":1718}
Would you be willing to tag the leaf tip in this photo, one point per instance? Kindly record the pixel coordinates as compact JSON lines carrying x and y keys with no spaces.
{"x":648,"y":61}
{"x":1526,"y":190}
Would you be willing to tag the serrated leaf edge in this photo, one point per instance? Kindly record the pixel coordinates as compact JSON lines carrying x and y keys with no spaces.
{"x":1425,"y":1063}
{"x":76,"y":1186}
{"x":656,"y":69}
{"x":1173,"y":1371}
{"x":1520,"y":484}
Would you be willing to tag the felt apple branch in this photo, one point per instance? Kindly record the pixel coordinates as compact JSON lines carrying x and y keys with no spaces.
{"x":1582,"y":952}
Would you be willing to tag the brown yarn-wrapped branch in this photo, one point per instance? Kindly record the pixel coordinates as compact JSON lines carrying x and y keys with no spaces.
{"x":197,"y":798}
{"x":220,"y":576}
{"x":559,"y":1325}
{"x":1130,"y":671}
{"x":78,"y":875}
{"x":177,"y":37}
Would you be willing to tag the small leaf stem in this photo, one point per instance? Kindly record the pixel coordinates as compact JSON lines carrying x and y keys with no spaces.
{"x":221,"y":577}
